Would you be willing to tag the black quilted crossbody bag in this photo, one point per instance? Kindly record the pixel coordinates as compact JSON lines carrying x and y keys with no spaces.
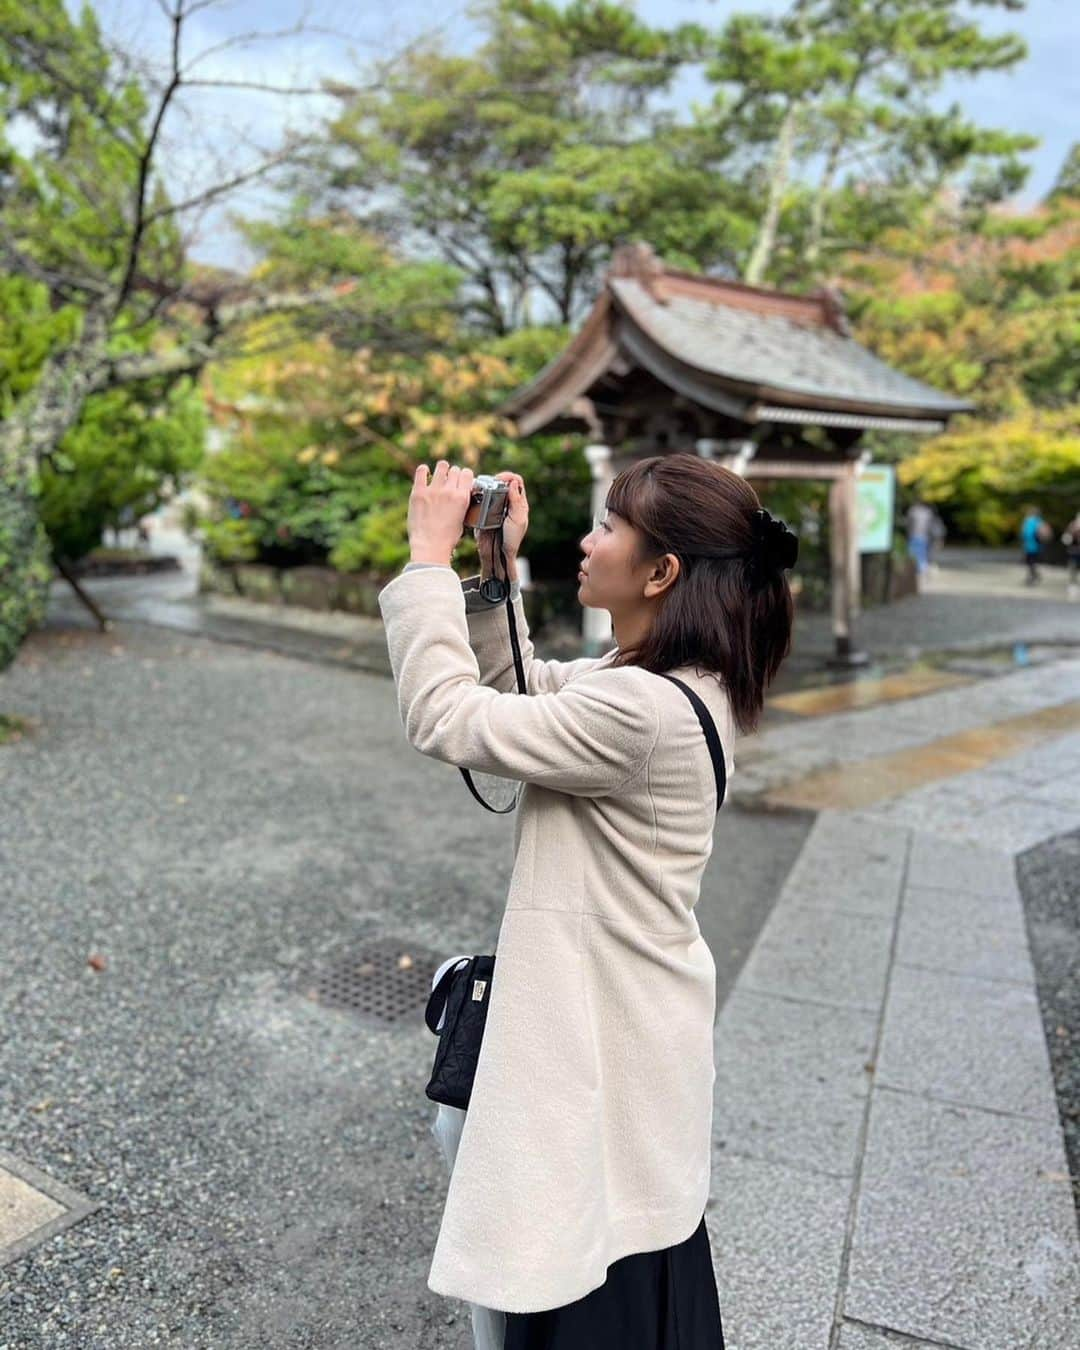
{"x":464,"y":992}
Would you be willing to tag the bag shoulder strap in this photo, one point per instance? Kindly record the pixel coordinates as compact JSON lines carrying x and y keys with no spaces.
{"x":712,"y":737}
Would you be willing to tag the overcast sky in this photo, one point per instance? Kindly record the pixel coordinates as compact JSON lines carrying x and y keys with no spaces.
{"x":1042,"y":96}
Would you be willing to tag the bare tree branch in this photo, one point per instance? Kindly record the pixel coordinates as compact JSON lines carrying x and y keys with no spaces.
{"x":211,"y":194}
{"x":260,"y":87}
{"x":299,"y":29}
{"x":195,"y":6}
{"x":145,"y":161}
{"x":224,"y":318}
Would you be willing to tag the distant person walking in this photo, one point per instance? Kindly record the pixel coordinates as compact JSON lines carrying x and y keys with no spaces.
{"x":1033,"y":531}
{"x":937,"y":539}
{"x":1071,"y":540}
{"x":920,"y":520}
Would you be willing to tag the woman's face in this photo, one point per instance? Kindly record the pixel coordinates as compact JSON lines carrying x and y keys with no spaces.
{"x":608,"y":579}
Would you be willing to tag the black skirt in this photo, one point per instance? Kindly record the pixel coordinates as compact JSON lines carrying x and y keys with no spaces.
{"x":665,"y":1300}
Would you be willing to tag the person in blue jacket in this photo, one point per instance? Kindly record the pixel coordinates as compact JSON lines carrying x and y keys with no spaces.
{"x":1032,"y":532}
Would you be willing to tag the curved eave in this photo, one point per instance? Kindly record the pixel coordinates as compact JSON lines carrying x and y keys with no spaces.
{"x":613,"y":330}
{"x":634,"y":332}
{"x":551,"y":392}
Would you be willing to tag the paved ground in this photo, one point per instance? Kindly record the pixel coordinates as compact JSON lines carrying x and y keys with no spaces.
{"x":890,"y":1165}
{"x":210,"y":821}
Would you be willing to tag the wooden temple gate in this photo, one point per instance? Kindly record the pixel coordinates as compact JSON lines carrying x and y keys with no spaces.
{"x":769,"y":384}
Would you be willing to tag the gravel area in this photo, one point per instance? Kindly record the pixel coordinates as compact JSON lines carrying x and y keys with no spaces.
{"x":1049,"y":877}
{"x":208,"y":819}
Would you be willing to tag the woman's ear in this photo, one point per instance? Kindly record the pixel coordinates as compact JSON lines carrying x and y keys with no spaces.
{"x":663,"y":575}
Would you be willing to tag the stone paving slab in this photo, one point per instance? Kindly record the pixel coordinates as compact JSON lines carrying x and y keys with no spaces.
{"x":855,"y":864}
{"x":883,"y":777}
{"x":965,"y":1232}
{"x":821,"y":955}
{"x":859,"y":833}
{"x":867,"y":693}
{"x":777,"y":1236}
{"x":960,"y":867}
{"x":792,"y":1080}
{"x":964,"y":934}
{"x":997,"y":819}
{"x":33,"y":1208}
{"x":1018,"y":824}
{"x":960,"y":1039}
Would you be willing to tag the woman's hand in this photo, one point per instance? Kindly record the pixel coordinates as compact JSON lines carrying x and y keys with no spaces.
{"x":513,"y":530}
{"x":437,"y":511}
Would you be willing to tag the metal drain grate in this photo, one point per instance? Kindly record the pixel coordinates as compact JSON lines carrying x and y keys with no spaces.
{"x":388,"y":979}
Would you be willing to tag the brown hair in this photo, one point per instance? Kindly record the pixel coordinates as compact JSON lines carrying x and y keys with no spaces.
{"x":724,"y":611}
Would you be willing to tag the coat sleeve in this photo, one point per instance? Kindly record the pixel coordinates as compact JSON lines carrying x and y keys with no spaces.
{"x":587,"y":739}
{"x":489,"y":637}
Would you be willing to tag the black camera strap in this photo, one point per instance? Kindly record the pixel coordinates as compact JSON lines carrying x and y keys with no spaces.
{"x":498,"y":589}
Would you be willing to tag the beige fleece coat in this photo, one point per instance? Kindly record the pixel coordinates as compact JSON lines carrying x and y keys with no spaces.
{"x":588,"y":1135}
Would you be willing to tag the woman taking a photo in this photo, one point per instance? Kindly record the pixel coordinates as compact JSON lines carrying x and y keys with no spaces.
{"x":576,"y":1204}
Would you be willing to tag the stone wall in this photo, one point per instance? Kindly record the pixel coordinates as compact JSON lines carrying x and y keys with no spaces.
{"x":323,"y":588}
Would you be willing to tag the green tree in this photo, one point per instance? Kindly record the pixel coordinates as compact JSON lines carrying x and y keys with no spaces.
{"x":984,"y":473}
{"x":523,"y":163}
{"x":84,"y":214}
{"x":992,"y":314}
{"x":128,"y":446}
{"x":129,"y":451}
{"x":830,"y":87}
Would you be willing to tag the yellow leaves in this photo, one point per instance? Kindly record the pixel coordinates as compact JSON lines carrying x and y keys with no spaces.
{"x":455,"y":380}
{"x":423,"y":422}
{"x":984,"y":470}
{"x":326,"y":455}
{"x":437,"y":406}
{"x":440,"y":367}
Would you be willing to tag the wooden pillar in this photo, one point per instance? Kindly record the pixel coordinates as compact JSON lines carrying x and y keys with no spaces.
{"x":845,"y":568}
{"x":596,"y":628}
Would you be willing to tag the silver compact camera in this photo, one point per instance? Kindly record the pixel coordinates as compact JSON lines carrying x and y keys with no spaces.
{"x":488,"y":503}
